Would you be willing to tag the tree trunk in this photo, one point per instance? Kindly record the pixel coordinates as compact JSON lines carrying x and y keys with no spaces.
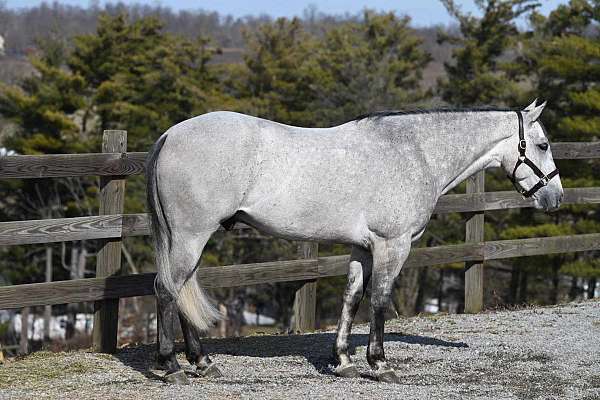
{"x":574,"y":289}
{"x":440,"y":293}
{"x":555,"y":281}
{"x":48,"y":309}
{"x":420,"y":300}
{"x":591,"y":288}
{"x":514,"y":285}
{"x":523,"y":287}
{"x":74,"y":272}
{"x":406,"y":291}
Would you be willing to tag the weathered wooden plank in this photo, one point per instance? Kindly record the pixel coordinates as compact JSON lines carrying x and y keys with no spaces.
{"x":254,"y":274}
{"x":490,"y":201}
{"x":77,"y":228}
{"x":419,"y":257}
{"x":76,"y":291}
{"x":108,"y":260}
{"x":72,"y":165}
{"x":575,"y":150}
{"x":538,"y":246}
{"x":305,"y":302}
{"x":474,"y":234}
{"x":93,"y":289}
{"x":61,"y":230}
{"x":114,"y":287}
{"x":114,"y":226}
{"x":132,"y":163}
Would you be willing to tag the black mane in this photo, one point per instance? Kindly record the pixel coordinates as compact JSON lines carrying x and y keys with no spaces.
{"x":393,"y":113}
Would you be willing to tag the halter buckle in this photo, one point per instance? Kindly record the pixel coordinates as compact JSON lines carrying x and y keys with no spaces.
{"x":522,"y":158}
{"x":545,"y":180}
{"x":522,"y":144}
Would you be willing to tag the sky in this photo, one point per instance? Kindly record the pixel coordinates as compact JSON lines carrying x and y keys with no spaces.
{"x":423,"y":12}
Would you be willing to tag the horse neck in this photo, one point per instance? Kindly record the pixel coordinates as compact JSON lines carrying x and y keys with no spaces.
{"x":458,"y":145}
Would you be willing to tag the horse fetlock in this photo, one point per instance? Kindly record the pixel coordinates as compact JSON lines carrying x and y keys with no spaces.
{"x":376,"y":358}
{"x":341,"y":355}
{"x":167,"y":363}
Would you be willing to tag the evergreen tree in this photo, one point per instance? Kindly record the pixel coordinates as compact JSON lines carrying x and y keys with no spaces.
{"x":278,"y":80}
{"x":372,"y":64}
{"x":479,"y":72}
{"x":561,"y":57}
{"x":141,"y":79}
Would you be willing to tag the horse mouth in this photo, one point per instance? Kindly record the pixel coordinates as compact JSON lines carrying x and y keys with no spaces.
{"x":547,"y":204}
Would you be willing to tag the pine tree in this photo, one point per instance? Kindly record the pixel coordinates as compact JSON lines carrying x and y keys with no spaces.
{"x":372,"y":64}
{"x":478,"y":72}
{"x":562,"y":56}
{"x":278,"y":77}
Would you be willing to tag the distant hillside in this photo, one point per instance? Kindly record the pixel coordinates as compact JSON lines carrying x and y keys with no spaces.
{"x":21,"y":28}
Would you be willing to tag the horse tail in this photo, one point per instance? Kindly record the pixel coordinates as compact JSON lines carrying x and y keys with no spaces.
{"x":187,"y":293}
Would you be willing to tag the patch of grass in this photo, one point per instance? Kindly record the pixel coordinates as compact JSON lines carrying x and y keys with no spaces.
{"x":41,"y":368}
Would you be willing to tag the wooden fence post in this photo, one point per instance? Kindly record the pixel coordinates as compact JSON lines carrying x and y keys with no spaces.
{"x":24,"y":340}
{"x":305,"y":303}
{"x":112,"y":196}
{"x":474,"y":233}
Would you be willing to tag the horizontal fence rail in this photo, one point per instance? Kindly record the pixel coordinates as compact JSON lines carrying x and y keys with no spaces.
{"x":72,"y":165}
{"x":132,"y":163}
{"x":124,"y":225}
{"x":93,"y":289}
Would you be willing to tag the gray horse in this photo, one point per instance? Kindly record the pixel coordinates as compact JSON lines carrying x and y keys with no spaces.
{"x":372,"y":183}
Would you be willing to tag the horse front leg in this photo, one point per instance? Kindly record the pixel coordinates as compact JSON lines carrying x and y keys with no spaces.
{"x":359,"y":273}
{"x":389,"y":256}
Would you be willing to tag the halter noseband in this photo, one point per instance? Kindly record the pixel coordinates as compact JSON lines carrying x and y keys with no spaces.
{"x":544,"y":179}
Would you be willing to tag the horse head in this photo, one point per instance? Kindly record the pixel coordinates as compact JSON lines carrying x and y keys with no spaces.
{"x":528,"y":161}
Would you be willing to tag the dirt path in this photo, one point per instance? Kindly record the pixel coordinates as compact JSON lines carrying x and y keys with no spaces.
{"x":543,"y":353}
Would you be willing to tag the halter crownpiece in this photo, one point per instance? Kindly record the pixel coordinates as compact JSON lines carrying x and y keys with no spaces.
{"x":544,"y":179}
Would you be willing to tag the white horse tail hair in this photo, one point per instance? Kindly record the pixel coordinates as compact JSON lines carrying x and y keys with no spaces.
{"x":190,"y":298}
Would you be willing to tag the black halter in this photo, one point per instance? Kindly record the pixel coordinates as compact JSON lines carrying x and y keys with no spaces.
{"x":544,"y":179}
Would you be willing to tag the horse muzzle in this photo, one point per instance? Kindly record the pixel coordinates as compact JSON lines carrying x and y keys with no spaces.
{"x":549,"y":200}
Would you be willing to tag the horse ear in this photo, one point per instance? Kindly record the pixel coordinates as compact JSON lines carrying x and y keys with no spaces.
{"x":531,"y":106}
{"x":535,"y":113}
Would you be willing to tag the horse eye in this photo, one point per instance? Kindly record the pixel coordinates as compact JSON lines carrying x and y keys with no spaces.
{"x":543,"y":146}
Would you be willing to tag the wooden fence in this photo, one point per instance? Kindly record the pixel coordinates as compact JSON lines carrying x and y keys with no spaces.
{"x":115,"y":164}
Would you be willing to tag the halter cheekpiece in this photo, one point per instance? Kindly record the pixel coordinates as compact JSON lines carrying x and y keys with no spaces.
{"x":544,"y":179}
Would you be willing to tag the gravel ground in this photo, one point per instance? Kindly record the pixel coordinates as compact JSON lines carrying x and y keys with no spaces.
{"x":541,"y":353}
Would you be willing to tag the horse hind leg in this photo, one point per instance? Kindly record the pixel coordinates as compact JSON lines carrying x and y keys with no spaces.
{"x":165,"y":356}
{"x":184,"y":255}
{"x":195,"y":353}
{"x":359,"y":273}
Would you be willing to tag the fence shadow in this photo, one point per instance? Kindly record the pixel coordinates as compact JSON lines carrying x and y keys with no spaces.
{"x":316,"y":348}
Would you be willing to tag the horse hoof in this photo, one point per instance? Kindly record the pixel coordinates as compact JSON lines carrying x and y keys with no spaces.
{"x":210,"y":372}
{"x":388,"y":376}
{"x":176,"y":378}
{"x":347,"y":371}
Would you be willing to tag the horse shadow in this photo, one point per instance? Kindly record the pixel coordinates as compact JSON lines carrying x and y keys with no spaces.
{"x":316,"y":348}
